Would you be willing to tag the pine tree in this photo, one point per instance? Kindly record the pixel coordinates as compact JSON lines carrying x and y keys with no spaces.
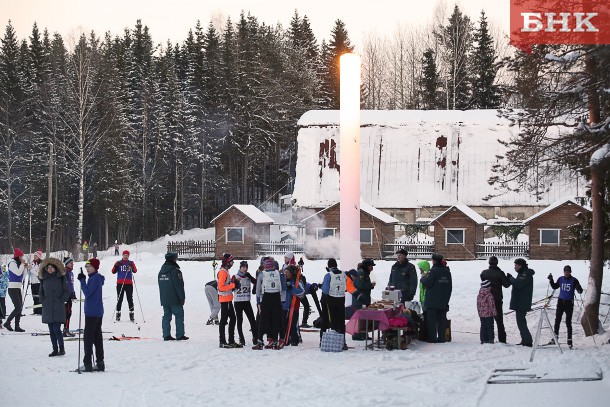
{"x":430,"y":82}
{"x":485,"y":94}
{"x":338,"y":45}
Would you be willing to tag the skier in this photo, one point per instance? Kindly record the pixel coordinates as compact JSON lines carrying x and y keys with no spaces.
{"x":171,"y":291}
{"x":124,"y":283}
{"x":85,"y":250}
{"x":211,"y":293}
{"x":521,"y":298}
{"x":497,"y":279}
{"x":438,"y":286}
{"x":54,"y":292}
{"x":403,"y":276}
{"x":292,"y":290}
{"x":242,"y":305}
{"x":94,"y":312}
{"x":3,"y":288}
{"x":487,"y":310}
{"x":16,"y":268}
{"x":226,"y":285}
{"x":270,"y":288}
{"x":565,"y":303}
{"x":69,"y":265}
{"x":362,"y":296}
{"x":333,"y":300}
{"x":116,"y":247}
{"x":35,"y":282}
{"x":95,"y":249}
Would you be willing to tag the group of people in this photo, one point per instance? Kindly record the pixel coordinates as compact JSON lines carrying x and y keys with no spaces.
{"x":52,"y":285}
{"x":490,"y":300}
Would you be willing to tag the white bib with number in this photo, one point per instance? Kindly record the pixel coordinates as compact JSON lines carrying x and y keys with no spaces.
{"x":243,"y":293}
{"x":337,"y":285}
{"x":271,"y":282}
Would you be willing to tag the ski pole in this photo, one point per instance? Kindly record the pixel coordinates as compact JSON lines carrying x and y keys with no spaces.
{"x":138,"y":295}
{"x":80,"y":310}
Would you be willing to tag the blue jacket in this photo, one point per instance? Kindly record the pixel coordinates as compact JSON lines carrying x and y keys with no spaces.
{"x":70,"y":275}
{"x":92,"y":289}
{"x":3,"y":282}
{"x":292,"y":290}
{"x":567,"y":286}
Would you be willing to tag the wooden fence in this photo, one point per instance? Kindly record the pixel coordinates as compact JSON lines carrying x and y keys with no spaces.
{"x":279,"y":248}
{"x":416,"y":250}
{"x":193,"y":250}
{"x":503,"y":250}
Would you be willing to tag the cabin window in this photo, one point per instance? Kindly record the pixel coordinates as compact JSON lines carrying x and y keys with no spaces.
{"x":549,"y":237}
{"x":366,"y":236}
{"x":321,"y":233}
{"x":454,"y":236}
{"x":234,"y":235}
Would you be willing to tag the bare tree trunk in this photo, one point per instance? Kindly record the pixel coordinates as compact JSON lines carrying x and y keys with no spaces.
{"x":49,"y":200}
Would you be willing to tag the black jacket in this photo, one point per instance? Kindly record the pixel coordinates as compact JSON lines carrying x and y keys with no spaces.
{"x":498,"y":279}
{"x":438,"y":288}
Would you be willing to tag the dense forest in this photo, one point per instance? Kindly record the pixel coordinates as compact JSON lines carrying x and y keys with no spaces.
{"x":109,"y":138}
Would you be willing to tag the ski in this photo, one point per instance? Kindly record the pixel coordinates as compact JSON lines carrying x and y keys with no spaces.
{"x":294,"y":304}
{"x":127,"y":338}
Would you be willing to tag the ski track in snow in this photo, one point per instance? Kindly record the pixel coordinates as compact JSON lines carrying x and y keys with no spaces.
{"x":151,"y":372}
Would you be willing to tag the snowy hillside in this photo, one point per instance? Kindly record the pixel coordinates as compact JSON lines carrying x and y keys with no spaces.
{"x":151,"y":372}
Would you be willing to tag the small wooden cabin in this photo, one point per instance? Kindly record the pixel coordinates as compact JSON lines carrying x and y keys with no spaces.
{"x":549,"y":233}
{"x":457,"y":232}
{"x":238,"y":228}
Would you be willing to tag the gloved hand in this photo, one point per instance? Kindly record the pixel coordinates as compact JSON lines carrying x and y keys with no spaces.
{"x":237,"y":283}
{"x":314,"y":287}
{"x":81,"y":275}
{"x":550,"y":277}
{"x":509,"y":275}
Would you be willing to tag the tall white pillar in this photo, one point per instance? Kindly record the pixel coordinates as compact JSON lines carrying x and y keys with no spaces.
{"x":349,"y":160}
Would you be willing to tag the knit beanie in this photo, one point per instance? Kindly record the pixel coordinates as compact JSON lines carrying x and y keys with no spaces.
{"x":493,"y":261}
{"x":95,"y":263}
{"x":17,"y":253}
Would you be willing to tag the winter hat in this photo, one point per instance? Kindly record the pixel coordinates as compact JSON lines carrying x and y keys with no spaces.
{"x":268,"y":264}
{"x":126,"y":252}
{"x":243,"y":263}
{"x":567,"y":268}
{"x":38,"y":253}
{"x":424,"y":265}
{"x":226,"y":259}
{"x":68,"y":260}
{"x":95,"y":263}
{"x":366,"y":263}
{"x":171,"y":256}
{"x":289,"y":255}
{"x":521,"y":262}
{"x":17,"y":253}
{"x":437,"y":257}
{"x":485,"y":284}
{"x":402,"y":250}
{"x":292,"y":270}
{"x":493,"y":261}
{"x":331,"y":263}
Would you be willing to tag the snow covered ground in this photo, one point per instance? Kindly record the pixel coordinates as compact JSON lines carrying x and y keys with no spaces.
{"x":151,"y":372}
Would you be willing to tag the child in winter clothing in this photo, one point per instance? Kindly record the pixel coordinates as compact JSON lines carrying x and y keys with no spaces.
{"x":333,"y":298}
{"x":16,"y":268}
{"x":226,"y":285}
{"x":270,"y":288}
{"x":487,"y":311}
{"x":3,"y":288}
{"x":69,"y":265}
{"x":292,"y":290}
{"x":35,"y":282}
{"x":242,"y":302}
{"x":94,"y":312}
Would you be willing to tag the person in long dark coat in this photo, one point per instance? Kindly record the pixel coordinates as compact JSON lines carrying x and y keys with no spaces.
{"x":497,"y":279}
{"x":521,"y":298}
{"x":53,"y":294}
{"x":438,"y":286}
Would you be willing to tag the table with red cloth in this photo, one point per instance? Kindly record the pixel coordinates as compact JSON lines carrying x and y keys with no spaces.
{"x":380,"y":317}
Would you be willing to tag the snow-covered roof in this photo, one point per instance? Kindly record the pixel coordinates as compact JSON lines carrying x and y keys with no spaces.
{"x":365,"y":207}
{"x":478,"y":219}
{"x":412,"y":159}
{"x":250,"y":211}
{"x":553,"y":206}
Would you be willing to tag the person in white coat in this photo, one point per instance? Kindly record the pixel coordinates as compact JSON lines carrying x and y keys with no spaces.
{"x":35,"y":282}
{"x":16,"y":269}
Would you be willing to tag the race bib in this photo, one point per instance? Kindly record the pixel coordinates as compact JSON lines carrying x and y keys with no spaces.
{"x":243,"y":294}
{"x":337,"y":285}
{"x":271,"y":282}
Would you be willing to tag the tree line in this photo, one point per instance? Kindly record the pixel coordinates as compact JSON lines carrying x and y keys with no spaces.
{"x":116,"y":138}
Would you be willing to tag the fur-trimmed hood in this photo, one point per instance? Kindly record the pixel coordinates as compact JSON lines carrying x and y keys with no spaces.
{"x":42,"y":270}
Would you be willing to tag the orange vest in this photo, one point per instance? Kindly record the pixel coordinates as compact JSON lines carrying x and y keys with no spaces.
{"x":225,"y":291}
{"x":349,"y":284}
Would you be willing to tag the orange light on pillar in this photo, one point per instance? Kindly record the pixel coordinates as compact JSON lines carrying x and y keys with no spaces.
{"x":349,"y":160}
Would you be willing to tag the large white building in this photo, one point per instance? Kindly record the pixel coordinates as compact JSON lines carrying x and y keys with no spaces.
{"x":415,"y":164}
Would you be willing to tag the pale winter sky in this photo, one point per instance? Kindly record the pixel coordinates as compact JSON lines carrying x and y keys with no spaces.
{"x":171,"y":19}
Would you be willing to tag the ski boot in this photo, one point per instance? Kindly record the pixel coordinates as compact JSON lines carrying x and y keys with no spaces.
{"x":223,"y":345}
{"x":67,"y":334}
{"x":233,"y":345}
{"x":258,"y":345}
{"x":18,"y":329}
{"x":551,"y":342}
{"x":210,"y":321}
{"x":242,"y":342}
{"x":570,"y":344}
{"x":305,"y":325}
{"x":216,"y":321}
{"x":100,"y":366}
{"x":277,"y":345}
{"x":132,"y":317}
{"x":54,"y":353}
{"x":270,"y":344}
{"x":118,"y":316}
